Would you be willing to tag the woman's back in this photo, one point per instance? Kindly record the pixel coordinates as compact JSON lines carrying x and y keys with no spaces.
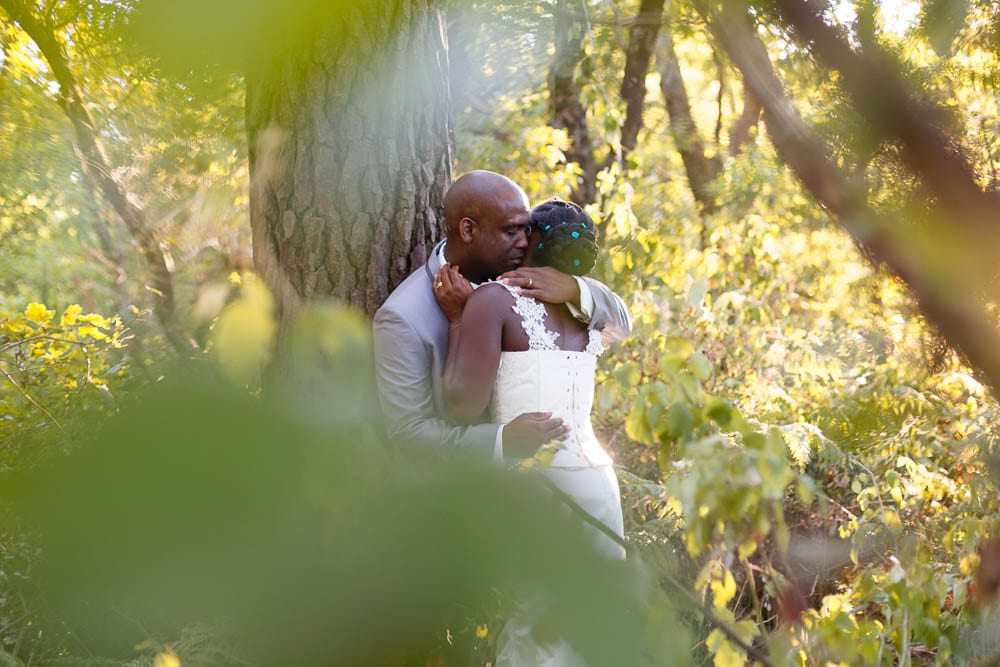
{"x":541,"y":376}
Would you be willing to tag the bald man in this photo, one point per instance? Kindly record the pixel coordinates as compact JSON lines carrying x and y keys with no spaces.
{"x":487,"y":218}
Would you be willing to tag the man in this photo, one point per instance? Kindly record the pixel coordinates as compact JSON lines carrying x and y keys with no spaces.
{"x":487,"y":219}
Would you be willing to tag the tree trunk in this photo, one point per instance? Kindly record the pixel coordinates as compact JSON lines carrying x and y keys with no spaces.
{"x":701,"y":170}
{"x":641,"y":40}
{"x":739,"y":134}
{"x":350,"y":143}
{"x":564,"y":101}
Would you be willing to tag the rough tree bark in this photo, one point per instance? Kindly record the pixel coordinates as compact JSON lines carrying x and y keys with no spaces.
{"x":350,"y":142}
{"x":933,"y":271}
{"x":564,"y":100}
{"x":701,"y":170}
{"x":95,"y":164}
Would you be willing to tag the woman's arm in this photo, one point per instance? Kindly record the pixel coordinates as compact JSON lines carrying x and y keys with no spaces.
{"x":473,"y":350}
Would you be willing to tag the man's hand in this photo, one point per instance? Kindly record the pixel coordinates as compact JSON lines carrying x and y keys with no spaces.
{"x":452,"y":290}
{"x":529,"y":431}
{"x":545,"y":284}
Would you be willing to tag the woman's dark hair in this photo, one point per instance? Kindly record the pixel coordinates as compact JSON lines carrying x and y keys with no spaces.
{"x":569,"y":237}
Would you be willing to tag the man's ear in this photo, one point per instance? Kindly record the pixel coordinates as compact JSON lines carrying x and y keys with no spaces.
{"x":467,"y":229}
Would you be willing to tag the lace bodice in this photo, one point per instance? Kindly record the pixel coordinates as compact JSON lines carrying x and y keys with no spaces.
{"x":545,"y":378}
{"x":532,"y":314}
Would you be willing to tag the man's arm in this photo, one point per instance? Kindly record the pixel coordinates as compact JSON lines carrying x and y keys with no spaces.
{"x":609,"y":316}
{"x":403,"y":370}
{"x":607,"y":312}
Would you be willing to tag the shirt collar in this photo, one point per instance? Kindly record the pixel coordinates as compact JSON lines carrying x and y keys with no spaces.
{"x":444,"y":260}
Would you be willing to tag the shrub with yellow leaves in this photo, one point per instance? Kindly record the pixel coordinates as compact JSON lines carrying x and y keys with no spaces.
{"x":53,"y":372}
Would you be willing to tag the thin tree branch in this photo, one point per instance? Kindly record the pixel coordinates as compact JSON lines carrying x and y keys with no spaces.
{"x":32,"y":400}
{"x":895,"y":112}
{"x":931,"y":268}
{"x":739,"y":134}
{"x":95,"y":163}
{"x":701,"y":170}
{"x":567,"y":110}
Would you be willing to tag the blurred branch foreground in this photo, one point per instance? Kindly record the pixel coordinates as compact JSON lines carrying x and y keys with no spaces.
{"x":285,"y":522}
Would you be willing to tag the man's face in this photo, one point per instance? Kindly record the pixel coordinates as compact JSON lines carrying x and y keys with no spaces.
{"x":502,"y":234}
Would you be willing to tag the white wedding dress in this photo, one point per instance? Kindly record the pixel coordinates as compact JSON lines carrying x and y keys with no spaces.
{"x":545,"y":378}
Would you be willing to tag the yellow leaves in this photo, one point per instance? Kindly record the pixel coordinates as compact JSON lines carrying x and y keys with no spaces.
{"x":623,"y":221}
{"x":482,"y":631}
{"x":96,"y":320}
{"x":723,"y":589}
{"x":92,"y":325}
{"x":542,"y":458}
{"x":70,"y":316}
{"x":92,"y":332}
{"x":216,"y":169}
{"x":166,"y":659}
{"x":719,"y":580}
{"x":17,"y":326}
{"x":726,"y":654}
{"x":243,"y":334}
{"x":70,"y":356}
{"x":36,"y":312}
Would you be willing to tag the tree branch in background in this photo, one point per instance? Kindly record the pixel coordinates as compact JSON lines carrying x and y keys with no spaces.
{"x":895,"y":113}
{"x":739,"y":134}
{"x":932,"y":270}
{"x":720,"y":68}
{"x":641,"y":40}
{"x":701,"y":170}
{"x":564,"y":101}
{"x":95,"y":163}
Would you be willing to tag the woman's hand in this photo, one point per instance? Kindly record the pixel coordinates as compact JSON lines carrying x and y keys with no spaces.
{"x":544,"y":283}
{"x":451,"y":290}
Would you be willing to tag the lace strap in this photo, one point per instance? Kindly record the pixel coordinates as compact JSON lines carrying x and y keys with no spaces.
{"x":595,"y":345}
{"x":532,"y":314}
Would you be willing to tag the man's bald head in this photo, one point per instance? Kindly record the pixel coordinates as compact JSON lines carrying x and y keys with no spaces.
{"x":478,"y":194}
{"x":487,"y":217}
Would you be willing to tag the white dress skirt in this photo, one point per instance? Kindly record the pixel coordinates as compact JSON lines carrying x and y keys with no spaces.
{"x":545,"y":378}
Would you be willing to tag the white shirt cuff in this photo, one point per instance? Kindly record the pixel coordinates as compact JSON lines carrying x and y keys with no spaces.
{"x":498,"y":446}
{"x":586,"y":309}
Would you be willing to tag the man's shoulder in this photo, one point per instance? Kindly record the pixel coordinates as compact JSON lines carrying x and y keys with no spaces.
{"x":415,"y":287}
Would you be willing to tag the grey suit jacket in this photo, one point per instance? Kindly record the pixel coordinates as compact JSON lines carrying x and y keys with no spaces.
{"x":411,"y":346}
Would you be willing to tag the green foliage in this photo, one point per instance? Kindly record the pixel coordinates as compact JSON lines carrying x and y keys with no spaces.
{"x":797,"y":448}
{"x":57,"y":371}
{"x":299,"y":536}
{"x":820,"y":449}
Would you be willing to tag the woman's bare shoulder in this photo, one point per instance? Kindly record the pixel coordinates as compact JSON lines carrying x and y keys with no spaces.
{"x":491,"y":294}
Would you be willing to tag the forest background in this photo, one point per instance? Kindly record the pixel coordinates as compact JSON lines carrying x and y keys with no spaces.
{"x":201,"y":204}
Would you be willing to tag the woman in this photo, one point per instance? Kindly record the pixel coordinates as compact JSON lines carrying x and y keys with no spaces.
{"x":515,"y":354}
